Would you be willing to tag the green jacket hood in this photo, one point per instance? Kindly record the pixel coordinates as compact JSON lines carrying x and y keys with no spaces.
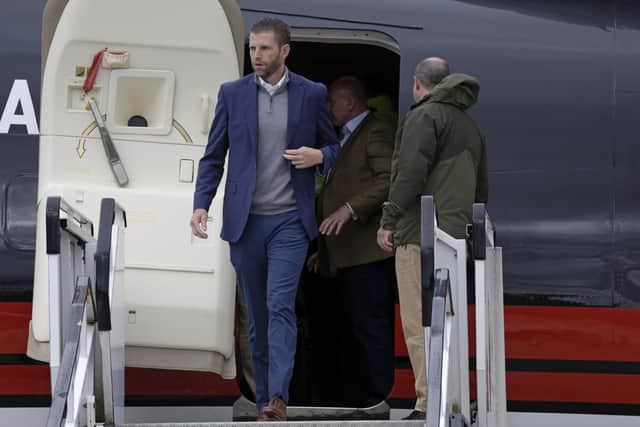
{"x":459,"y":90}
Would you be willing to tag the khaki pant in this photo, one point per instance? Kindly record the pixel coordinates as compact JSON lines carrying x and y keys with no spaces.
{"x":409,"y":290}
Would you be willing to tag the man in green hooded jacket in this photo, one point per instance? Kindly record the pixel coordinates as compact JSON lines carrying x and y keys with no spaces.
{"x":438,"y":151}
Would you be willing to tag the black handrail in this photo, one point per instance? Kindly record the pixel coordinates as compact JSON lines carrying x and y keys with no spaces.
{"x":108,"y":211}
{"x":55,"y":205}
{"x":53,"y":225}
{"x":81,"y":296}
{"x":441,"y":289}
{"x":480,"y":228}
{"x":478,"y":234}
{"x":427,"y":255}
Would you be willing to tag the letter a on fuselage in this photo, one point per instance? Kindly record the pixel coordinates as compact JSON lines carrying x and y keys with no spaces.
{"x":19,"y":94}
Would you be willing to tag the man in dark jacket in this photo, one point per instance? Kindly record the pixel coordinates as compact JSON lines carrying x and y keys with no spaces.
{"x":349,"y":209}
{"x":439,"y":151}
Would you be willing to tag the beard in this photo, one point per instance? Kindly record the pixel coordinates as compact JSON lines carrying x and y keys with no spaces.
{"x":268,"y":70}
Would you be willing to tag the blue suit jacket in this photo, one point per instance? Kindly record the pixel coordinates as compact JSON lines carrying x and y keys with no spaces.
{"x":235,"y":128}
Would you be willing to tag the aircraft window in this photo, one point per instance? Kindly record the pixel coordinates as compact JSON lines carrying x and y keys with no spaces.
{"x":20,"y":215}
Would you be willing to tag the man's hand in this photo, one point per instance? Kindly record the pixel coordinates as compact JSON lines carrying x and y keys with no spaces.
{"x":334,"y":222}
{"x":313,"y":263}
{"x":385,"y":239}
{"x":304,"y":157}
{"x":199,"y":223}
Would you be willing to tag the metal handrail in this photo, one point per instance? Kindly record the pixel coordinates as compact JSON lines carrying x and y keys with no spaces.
{"x":490,"y":381}
{"x":441,"y":301}
{"x":108,"y":210}
{"x":81,"y":299}
{"x":61,"y":218}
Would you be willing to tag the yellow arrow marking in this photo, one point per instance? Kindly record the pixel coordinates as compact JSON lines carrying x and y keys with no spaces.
{"x":81,"y":149}
{"x":182,"y":131}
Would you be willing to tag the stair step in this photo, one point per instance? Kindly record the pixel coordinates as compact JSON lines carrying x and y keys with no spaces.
{"x":361,"y":423}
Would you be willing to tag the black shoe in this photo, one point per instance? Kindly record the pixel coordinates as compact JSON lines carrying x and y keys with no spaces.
{"x":416,"y":415}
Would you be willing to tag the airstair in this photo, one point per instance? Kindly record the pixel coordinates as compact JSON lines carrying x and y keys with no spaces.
{"x":87,"y":319}
{"x":444,"y":291}
{"x":86,"y":313}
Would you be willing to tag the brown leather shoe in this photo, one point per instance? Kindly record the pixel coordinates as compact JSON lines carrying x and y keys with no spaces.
{"x":276,"y":410}
{"x":261,"y":416}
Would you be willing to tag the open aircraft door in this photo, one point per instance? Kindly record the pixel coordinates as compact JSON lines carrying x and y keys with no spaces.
{"x":155,"y":88}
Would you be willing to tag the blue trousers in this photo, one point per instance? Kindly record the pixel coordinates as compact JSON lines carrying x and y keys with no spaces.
{"x":268,"y":260}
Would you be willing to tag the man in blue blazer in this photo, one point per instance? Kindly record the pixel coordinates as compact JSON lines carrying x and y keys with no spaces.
{"x":276,"y":127}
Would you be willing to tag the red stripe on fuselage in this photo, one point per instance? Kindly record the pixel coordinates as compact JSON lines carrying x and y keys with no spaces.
{"x":561,"y":333}
{"x":149,"y":382}
{"x":532,"y":332}
{"x":14,"y":327}
{"x":572,"y":333}
{"x":403,"y":385}
{"x":567,"y":333}
{"x":24,"y":380}
{"x":400,"y":345}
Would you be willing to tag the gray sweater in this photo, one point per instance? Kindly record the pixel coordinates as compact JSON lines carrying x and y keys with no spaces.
{"x":274,"y":192}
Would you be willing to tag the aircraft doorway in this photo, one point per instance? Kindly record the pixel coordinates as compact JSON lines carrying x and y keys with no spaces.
{"x":376,"y":63}
{"x":323,"y":56}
